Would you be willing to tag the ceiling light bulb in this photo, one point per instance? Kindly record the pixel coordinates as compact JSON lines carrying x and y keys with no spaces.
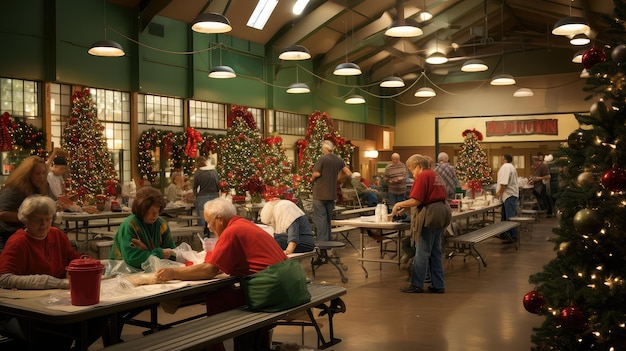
{"x":503,"y":79}
{"x":436,"y":58}
{"x":523,"y":92}
{"x":425,"y":92}
{"x":298,"y":88}
{"x":347,"y":69}
{"x":392,"y":82}
{"x":354,"y":100}
{"x":474,"y":66}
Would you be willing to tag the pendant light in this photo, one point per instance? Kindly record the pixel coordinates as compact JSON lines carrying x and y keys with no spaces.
{"x":523,"y":92}
{"x":392,"y":81}
{"x":295,"y":53}
{"x":347,"y":68}
{"x":474,"y":65}
{"x":437,"y":58}
{"x":570,"y":25}
{"x":222,"y":71}
{"x":578,"y":56}
{"x":424,"y":15}
{"x":355,"y":99}
{"x":580,"y":39}
{"x":106,"y":48}
{"x":503,"y":79}
{"x":425,"y":92}
{"x":297,"y":87}
{"x":211,"y":23}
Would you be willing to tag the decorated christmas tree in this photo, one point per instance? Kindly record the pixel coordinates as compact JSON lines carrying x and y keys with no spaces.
{"x":320,"y":128}
{"x":91,"y":170}
{"x":472,"y":166}
{"x":581,"y":293}
{"x":276,"y":167}
{"x":240,"y":163}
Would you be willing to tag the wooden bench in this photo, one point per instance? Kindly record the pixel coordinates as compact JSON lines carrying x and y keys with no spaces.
{"x":468,"y":241}
{"x":200,"y":333}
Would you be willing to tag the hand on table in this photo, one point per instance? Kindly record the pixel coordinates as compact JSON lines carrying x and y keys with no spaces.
{"x":164,"y":274}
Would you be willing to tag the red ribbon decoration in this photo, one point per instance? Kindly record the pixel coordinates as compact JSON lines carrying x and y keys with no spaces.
{"x":6,"y":142}
{"x":193,"y":138}
{"x":167,"y":146}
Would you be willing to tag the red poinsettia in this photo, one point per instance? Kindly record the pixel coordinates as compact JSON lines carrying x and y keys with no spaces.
{"x":478,"y":135}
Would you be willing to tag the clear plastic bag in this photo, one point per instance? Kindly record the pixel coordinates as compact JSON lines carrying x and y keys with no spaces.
{"x":153,"y":264}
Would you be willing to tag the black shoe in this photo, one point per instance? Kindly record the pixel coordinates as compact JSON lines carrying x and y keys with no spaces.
{"x":435,"y":290}
{"x":412,"y":289}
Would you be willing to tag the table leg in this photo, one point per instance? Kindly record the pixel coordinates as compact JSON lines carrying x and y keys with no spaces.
{"x":363,"y":232}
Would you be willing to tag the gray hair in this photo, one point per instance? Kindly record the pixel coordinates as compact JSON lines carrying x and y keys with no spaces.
{"x":443,"y":157}
{"x":36,"y":204}
{"x":222,"y":207}
{"x":328,"y":145}
{"x":396,"y":155}
{"x":417,"y":160}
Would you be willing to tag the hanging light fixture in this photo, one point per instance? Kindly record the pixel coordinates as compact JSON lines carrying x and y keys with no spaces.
{"x":106,"y":48}
{"x":221,"y":71}
{"x":298,"y":88}
{"x":424,"y":15}
{"x":584,"y":74}
{"x":503,"y":79}
{"x":295,"y":53}
{"x":405,"y":28}
{"x":523,"y":92}
{"x":347,"y":68}
{"x":355,"y":99}
{"x":578,"y":56}
{"x":392,"y":82}
{"x":474,"y":65}
{"x":211,"y":23}
{"x":425,"y":92}
{"x":570,"y":25}
{"x":437,"y":57}
{"x":580,"y":39}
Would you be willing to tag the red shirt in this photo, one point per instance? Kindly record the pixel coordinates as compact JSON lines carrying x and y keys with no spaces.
{"x":244,"y":248}
{"x":24,"y":255}
{"x":428,"y":188}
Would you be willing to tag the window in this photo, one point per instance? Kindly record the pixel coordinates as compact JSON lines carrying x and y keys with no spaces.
{"x":259,"y":117}
{"x":350,"y":130}
{"x":162,"y":110}
{"x":207,"y":115}
{"x":60,"y":99}
{"x":289,"y":123}
{"x":20,"y":98}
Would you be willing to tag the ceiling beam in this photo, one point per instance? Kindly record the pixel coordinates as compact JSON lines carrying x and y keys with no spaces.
{"x":148,"y":9}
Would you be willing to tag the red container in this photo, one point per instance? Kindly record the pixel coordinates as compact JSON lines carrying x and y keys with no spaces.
{"x":85,"y":275}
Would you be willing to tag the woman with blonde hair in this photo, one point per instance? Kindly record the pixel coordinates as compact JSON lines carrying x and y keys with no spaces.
{"x":29,"y":178}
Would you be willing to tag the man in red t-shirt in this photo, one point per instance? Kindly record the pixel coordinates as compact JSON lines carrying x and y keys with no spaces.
{"x":242,"y":248}
{"x":432,"y":217}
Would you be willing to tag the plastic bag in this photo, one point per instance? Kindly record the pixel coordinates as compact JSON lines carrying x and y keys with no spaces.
{"x":117,"y":267}
{"x":184,"y":254}
{"x":153,"y":264}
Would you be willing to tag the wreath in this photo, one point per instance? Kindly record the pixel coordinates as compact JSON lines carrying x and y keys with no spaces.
{"x":172,"y":146}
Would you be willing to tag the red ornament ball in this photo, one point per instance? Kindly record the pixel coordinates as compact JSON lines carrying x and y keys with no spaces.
{"x":534,"y":302}
{"x":593,"y":56}
{"x":573,"y":319}
{"x":614,"y":179}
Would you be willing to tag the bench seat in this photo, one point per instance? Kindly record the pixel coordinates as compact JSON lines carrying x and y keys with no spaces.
{"x":200,"y":333}
{"x":469,"y":240}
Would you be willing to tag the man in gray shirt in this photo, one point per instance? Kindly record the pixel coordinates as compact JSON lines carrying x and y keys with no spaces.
{"x":326,"y":172}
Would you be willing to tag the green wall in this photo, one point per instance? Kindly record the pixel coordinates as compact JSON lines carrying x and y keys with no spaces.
{"x":47,"y":40}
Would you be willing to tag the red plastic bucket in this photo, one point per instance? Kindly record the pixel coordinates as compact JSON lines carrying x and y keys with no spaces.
{"x":85,"y":275}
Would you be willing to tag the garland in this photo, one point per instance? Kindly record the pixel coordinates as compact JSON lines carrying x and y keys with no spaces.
{"x":16,"y":134}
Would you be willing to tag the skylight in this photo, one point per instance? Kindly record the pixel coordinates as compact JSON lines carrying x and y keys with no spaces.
{"x":262,"y":13}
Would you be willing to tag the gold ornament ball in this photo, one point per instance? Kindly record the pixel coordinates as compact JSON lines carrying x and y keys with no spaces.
{"x":588,"y":222}
{"x":585,"y":178}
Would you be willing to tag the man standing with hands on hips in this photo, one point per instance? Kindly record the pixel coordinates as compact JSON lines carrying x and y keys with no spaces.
{"x":508,"y":192}
{"x":326,"y":172}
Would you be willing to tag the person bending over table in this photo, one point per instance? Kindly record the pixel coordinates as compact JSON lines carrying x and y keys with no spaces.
{"x":144,"y":233}
{"x":292,"y":230}
{"x":35,"y":258}
{"x":430,"y":215}
{"x":242,"y":248}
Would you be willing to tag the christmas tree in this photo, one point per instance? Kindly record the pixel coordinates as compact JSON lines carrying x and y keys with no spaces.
{"x":472,"y":166}
{"x":319,"y":129}
{"x":581,"y":293}
{"x":91,"y":168}
{"x":276,"y":168}
{"x":240,"y":163}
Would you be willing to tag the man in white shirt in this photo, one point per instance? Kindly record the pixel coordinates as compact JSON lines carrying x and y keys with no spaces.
{"x":55,"y":176}
{"x":508,"y":192}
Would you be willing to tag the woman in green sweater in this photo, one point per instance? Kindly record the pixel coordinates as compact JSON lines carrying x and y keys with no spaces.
{"x":144,"y":233}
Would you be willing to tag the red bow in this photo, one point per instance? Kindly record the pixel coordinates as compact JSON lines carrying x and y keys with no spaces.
{"x":6,"y":142}
{"x":193,"y":138}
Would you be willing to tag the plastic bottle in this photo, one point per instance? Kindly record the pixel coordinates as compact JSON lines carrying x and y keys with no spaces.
{"x":377,"y":213}
{"x":383,"y":213}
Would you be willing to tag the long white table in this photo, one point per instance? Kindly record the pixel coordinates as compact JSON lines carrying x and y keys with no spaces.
{"x":394,"y":231}
{"x":81,"y":220}
{"x":30,"y":304}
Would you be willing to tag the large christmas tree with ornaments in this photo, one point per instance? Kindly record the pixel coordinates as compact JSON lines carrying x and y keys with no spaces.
{"x":91,"y":170}
{"x":581,"y":292}
{"x":472,"y":166}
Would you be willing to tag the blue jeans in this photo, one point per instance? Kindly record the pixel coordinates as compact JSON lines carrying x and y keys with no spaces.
{"x":200,"y":201}
{"x":509,"y":210}
{"x":322,"y":214}
{"x":428,"y":258}
{"x":392,"y":199}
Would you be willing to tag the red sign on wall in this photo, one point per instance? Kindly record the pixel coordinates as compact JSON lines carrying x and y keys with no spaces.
{"x":523,"y":127}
